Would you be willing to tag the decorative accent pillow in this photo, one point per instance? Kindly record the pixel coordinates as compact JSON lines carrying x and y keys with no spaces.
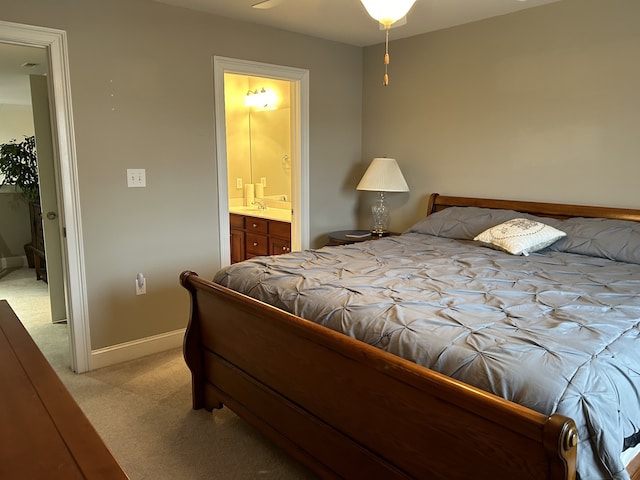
{"x":520,"y":236}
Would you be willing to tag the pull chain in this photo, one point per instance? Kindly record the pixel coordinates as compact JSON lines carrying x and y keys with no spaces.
{"x":385,"y":79}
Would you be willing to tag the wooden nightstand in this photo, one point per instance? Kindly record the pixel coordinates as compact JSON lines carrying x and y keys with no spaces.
{"x":345,"y":237}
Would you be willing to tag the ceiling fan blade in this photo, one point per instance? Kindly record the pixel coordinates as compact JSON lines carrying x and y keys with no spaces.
{"x":265,"y":4}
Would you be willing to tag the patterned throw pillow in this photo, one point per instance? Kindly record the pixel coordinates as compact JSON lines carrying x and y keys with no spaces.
{"x":520,"y":236}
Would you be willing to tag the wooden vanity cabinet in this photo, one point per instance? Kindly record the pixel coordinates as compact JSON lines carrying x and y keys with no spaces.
{"x":237,"y":237}
{"x":279,"y":237}
{"x":254,"y":236}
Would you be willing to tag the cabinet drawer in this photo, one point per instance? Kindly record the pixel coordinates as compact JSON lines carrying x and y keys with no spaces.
{"x":255,"y":225}
{"x":236,"y":221}
{"x":257,"y":244}
{"x":278,"y":246}
{"x":280,"y":229}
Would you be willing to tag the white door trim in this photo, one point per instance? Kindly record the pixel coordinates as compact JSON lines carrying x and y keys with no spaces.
{"x":55,"y":41}
{"x":299,"y":79}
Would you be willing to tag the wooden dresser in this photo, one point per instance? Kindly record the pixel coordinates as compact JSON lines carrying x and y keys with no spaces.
{"x":253,"y":236}
{"x":43,"y":432}
{"x":37,"y":241}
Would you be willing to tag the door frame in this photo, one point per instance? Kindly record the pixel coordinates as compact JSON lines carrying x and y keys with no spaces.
{"x":55,"y":43}
{"x":299,"y":79}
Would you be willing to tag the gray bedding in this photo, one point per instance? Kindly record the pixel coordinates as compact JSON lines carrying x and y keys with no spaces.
{"x":555,"y":331}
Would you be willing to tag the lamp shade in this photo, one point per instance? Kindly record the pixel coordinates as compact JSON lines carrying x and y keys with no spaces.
{"x":387,"y":12}
{"x":383,"y":175}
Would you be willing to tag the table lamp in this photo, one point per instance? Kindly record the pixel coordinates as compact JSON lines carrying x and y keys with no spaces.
{"x":383,"y":175}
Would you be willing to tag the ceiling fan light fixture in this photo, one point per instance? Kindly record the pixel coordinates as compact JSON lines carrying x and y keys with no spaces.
{"x":387,"y":12}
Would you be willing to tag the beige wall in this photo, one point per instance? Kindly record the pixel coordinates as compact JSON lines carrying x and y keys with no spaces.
{"x":16,"y":122}
{"x":543,"y":104}
{"x":15,"y":230}
{"x":142,"y":92}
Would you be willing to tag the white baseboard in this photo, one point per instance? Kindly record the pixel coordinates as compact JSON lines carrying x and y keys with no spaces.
{"x":14,"y":262}
{"x":123,"y":352}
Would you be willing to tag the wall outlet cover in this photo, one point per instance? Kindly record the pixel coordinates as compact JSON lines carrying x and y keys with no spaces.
{"x":141,"y":284}
{"x":136,"y":177}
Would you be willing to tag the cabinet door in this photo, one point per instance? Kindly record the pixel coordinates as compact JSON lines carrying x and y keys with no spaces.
{"x":237,"y":246}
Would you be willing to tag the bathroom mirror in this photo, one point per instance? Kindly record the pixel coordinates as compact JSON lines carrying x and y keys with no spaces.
{"x":270,"y":142}
{"x":258,"y":137}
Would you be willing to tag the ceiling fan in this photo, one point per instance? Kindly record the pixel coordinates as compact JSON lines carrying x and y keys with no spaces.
{"x":266,"y":4}
{"x":389,"y":13}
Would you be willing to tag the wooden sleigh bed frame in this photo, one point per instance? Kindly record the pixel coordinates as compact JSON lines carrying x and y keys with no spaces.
{"x":349,"y":410}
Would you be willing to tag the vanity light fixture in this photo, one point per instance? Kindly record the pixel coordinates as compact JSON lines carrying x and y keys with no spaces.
{"x":382,"y":175}
{"x":262,"y":98}
{"x":387,"y":12}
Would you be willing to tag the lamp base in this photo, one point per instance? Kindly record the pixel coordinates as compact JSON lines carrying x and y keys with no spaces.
{"x":380,"y":215}
{"x":380,"y":233}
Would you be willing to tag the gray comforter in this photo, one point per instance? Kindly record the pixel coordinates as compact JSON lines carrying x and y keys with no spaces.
{"x":554,"y":331}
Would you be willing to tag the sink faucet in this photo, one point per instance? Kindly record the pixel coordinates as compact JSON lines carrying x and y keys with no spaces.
{"x":260,"y":205}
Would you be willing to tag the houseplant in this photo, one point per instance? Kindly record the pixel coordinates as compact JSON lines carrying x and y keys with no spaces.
{"x":19,"y":167}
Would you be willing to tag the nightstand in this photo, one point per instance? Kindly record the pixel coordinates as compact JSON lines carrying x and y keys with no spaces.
{"x":345,"y":237}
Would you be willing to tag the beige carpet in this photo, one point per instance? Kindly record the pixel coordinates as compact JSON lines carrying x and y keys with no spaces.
{"x":142,"y":409}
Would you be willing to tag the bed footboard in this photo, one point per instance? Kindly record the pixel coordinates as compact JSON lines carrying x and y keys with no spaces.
{"x":346,"y":409}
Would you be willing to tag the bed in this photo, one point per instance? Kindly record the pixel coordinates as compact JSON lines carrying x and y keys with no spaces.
{"x":521,"y":391}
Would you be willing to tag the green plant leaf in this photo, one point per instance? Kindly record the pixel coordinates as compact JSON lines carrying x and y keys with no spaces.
{"x":19,"y":165}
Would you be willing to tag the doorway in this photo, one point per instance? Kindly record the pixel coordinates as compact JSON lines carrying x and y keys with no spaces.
{"x":55,"y":44}
{"x":297,"y":161}
{"x":34,"y":223}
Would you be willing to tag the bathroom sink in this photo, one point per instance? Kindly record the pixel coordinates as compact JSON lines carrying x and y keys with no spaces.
{"x":283,"y":215}
{"x":248,"y":209}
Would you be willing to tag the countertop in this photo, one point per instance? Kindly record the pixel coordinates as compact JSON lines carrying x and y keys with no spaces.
{"x":271,"y":213}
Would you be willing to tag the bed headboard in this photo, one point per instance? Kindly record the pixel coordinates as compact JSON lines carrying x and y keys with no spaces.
{"x":439,"y":202}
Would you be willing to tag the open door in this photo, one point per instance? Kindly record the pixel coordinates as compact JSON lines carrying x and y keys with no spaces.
{"x":48,"y":197}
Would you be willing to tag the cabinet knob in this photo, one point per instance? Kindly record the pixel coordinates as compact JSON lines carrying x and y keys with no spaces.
{"x":255,"y":244}
{"x":255,"y":225}
{"x":284,"y":249}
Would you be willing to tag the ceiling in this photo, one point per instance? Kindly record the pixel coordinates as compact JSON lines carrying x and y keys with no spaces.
{"x":347,"y":21}
{"x":14,"y":77}
{"x":343,"y":21}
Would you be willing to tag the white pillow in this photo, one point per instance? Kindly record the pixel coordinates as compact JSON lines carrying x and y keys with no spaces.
{"x":520,"y":236}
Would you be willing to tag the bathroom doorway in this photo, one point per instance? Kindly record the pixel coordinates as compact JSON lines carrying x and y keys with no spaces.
{"x":262,"y":145}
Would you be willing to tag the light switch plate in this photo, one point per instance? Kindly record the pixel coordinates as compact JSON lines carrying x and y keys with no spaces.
{"x":136,"y":177}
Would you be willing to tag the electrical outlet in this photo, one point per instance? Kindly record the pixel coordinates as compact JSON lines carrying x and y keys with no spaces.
{"x":141,"y":284}
{"x":263,"y":181}
{"x":238,"y":183}
{"x":136,"y":177}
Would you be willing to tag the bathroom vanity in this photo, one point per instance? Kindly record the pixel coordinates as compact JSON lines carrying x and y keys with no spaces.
{"x":257,"y":234}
